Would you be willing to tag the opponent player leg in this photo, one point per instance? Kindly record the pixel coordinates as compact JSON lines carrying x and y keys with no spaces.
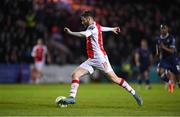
{"x":141,"y":76}
{"x":139,"y":80}
{"x":168,"y":77}
{"x":177,"y":71}
{"x":171,"y":81}
{"x":162,"y":74}
{"x":146,"y":77}
{"x":121,"y":82}
{"x":178,"y":79}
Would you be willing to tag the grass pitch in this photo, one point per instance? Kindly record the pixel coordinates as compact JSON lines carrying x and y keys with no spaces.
{"x":92,"y":100}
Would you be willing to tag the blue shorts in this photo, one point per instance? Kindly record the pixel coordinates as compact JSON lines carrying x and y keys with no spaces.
{"x":170,"y":63}
{"x":143,"y":68}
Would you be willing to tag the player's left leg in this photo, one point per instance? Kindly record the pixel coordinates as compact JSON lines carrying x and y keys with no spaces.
{"x":121,"y":82}
{"x":171,"y":81}
{"x":103,"y":64}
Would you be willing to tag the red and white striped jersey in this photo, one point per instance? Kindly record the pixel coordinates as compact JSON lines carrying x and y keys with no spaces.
{"x":94,"y":40}
{"x":39,"y":53}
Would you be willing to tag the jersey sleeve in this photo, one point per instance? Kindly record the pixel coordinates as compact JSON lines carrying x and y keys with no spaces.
{"x":90,"y":30}
{"x":86,"y":33}
{"x":106,"y":29}
{"x":173,"y":43}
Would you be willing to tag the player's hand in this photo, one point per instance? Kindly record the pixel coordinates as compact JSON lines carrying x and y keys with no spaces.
{"x":156,"y":55}
{"x":116,"y":30}
{"x":67,"y":30}
{"x":161,"y":45}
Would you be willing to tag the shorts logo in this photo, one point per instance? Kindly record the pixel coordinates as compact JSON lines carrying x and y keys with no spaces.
{"x":178,"y":68}
{"x":105,"y":65}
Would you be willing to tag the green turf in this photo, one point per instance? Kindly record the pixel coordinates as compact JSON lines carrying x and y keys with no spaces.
{"x":92,"y":100}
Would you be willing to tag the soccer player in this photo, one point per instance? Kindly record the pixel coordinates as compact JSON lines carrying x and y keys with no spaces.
{"x":168,"y":67}
{"x":143,"y":60}
{"x":39,"y":53}
{"x":97,"y":57}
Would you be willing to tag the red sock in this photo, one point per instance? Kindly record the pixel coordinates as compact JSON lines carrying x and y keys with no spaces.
{"x":125,"y":85}
{"x":171,"y":88}
{"x":74,"y":88}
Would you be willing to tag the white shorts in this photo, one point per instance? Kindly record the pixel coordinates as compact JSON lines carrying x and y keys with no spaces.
{"x":39,"y":65}
{"x":101,"y":63}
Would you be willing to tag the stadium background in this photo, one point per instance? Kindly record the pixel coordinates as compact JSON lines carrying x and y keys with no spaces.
{"x":24,"y":21}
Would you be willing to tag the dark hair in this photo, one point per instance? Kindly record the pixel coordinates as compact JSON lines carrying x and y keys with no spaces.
{"x":163,"y":25}
{"x":87,"y":14}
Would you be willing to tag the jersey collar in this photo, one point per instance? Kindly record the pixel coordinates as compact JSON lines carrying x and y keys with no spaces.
{"x":163,"y":37}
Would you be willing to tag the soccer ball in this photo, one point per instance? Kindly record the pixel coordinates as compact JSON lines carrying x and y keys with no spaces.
{"x":57,"y":101}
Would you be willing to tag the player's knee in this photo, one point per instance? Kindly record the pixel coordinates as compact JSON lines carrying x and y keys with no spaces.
{"x":75,"y":76}
{"x":115,"y":79}
{"x":163,"y":75}
{"x":160,"y":71}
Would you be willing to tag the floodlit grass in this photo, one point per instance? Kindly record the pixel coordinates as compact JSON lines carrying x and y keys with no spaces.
{"x":92,"y":100}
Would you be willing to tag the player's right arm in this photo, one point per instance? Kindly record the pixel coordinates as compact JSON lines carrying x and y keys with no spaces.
{"x":157,"y":50}
{"x":137,"y":59}
{"x":81,"y":34}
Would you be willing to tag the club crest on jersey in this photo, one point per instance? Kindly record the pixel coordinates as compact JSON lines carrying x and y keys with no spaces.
{"x":91,"y":27}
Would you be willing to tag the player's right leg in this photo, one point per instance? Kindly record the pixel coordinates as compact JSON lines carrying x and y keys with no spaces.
{"x":80,"y":71}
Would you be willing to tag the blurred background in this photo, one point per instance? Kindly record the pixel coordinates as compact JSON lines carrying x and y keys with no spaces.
{"x":22,"y":22}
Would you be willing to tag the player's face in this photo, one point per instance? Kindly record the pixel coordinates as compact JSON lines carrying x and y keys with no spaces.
{"x":143,"y":44}
{"x":40,"y":42}
{"x":164,"y":30}
{"x":85,"y":21}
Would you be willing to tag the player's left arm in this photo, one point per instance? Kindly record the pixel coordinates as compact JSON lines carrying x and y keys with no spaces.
{"x":116,"y":30}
